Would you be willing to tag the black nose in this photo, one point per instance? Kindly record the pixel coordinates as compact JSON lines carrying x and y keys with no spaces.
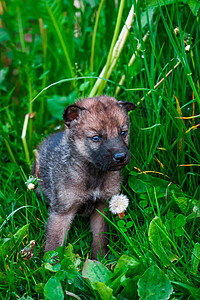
{"x":119,"y":157}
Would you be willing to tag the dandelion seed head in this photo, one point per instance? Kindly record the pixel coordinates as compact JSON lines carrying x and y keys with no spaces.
{"x":118,"y":203}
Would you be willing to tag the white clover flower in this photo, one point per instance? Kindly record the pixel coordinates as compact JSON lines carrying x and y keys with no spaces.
{"x":118,"y":204}
{"x":31,"y":186}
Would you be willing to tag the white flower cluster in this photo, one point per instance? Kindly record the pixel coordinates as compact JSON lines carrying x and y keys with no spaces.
{"x":118,"y":204}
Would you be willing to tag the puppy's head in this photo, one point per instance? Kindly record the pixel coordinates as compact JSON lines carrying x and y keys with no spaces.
{"x":98,"y":129}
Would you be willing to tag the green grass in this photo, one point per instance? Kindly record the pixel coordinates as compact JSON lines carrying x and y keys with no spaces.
{"x":156,"y":247}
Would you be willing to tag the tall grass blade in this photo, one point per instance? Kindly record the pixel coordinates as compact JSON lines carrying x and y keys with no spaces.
{"x":52,"y":13}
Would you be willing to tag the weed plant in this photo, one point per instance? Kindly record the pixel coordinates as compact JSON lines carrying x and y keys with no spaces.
{"x":61,"y":48}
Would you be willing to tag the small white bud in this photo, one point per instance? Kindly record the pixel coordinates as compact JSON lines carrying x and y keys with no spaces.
{"x":31,"y":186}
{"x":176,"y":31}
{"x":187,"y":48}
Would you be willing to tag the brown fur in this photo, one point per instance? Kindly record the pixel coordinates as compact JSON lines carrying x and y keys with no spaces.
{"x":79,"y":173}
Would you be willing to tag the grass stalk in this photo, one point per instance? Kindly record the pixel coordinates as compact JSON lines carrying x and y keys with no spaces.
{"x":23,"y":47}
{"x":67,"y":80}
{"x":131,"y":62}
{"x":128,"y":240}
{"x":43,"y":33}
{"x":181,"y":54}
{"x":30,"y":110}
{"x":63,"y":44}
{"x":24,"y":139}
{"x":159,"y":83}
{"x":10,"y":151}
{"x":21,"y":32}
{"x":119,"y":45}
{"x":12,"y":156}
{"x":94,"y":36}
{"x":114,"y":53}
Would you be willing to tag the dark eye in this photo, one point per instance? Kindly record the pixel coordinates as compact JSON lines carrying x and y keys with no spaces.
{"x":96,"y":138}
{"x":123,"y":133}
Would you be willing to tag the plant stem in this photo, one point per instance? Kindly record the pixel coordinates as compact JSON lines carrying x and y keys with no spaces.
{"x":107,"y":65}
{"x":115,"y":50}
{"x":24,"y":139}
{"x":67,"y":80}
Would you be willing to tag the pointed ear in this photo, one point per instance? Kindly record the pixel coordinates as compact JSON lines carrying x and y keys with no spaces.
{"x":71,"y":113}
{"x":127,"y":105}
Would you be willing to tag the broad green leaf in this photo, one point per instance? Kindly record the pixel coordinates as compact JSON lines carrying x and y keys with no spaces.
{"x":4,"y":36}
{"x":194,"y":292}
{"x":144,"y":20}
{"x":51,"y":13}
{"x":158,"y":237}
{"x":138,"y":185}
{"x":141,"y":183}
{"x":124,"y":263}
{"x":194,"y":5}
{"x":20,"y":234}
{"x":92,"y":3}
{"x":155,"y":3}
{"x":71,"y":260}
{"x":179,"y":231}
{"x":180,"y":220}
{"x":105,"y":292}
{"x":195,"y":210}
{"x":5,"y":247}
{"x":53,"y":289}
{"x":50,"y":254}
{"x":61,"y":275}
{"x":51,"y":257}
{"x":11,"y":244}
{"x":95,"y":271}
{"x":130,"y":289}
{"x":182,"y":202}
{"x":195,"y":259}
{"x":143,"y":203}
{"x":74,"y":278}
{"x":3,"y":73}
{"x":84,"y":86}
{"x":56,"y":104}
{"x":154,"y":285}
{"x":121,"y":223}
{"x":126,"y":267}
{"x":52,"y":268}
{"x":40,"y":288}
{"x":129,"y":224}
